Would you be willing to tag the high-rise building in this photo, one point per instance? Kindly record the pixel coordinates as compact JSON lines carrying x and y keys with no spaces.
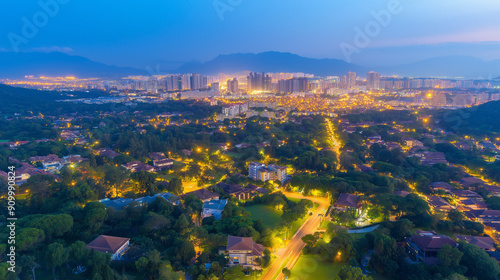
{"x":439,"y":99}
{"x":258,"y":81}
{"x":372,"y":80}
{"x":215,"y":86}
{"x":198,"y":81}
{"x":343,"y":82}
{"x":232,"y":86}
{"x":351,"y":80}
{"x":293,"y":85}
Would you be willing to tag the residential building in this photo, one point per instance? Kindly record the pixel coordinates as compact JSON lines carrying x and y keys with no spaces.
{"x":253,"y":168}
{"x":259,"y":171}
{"x":347,"y":202}
{"x":372,"y":80}
{"x":136,"y":166}
{"x":213,"y":208}
{"x":203,"y":194}
{"x":116,"y":246}
{"x":424,"y":246}
{"x":243,"y":251}
{"x":259,"y":82}
{"x":232,"y":86}
{"x":235,"y":190}
{"x":483,"y":242}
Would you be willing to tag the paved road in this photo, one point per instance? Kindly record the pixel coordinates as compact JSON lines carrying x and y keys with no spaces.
{"x":367,"y":229}
{"x":294,"y":248}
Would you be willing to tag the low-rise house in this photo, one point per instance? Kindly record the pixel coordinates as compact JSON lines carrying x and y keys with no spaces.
{"x":203,"y":194}
{"x":493,"y":190}
{"x":401,"y":193}
{"x":254,"y":190}
{"x":437,"y":186}
{"x":27,"y":171}
{"x":474,"y":204}
{"x":136,"y":166}
{"x":347,"y":202}
{"x":109,"y":153}
{"x":118,"y":203}
{"x":466,"y":194}
{"x":73,"y":159}
{"x":213,"y":208}
{"x":116,"y":246}
{"x":162,"y":164}
{"x":483,"y":242}
{"x":471,"y":182}
{"x":430,"y":158}
{"x":236,"y":191}
{"x":50,"y":163}
{"x":243,"y":251}
{"x":424,"y":246}
{"x":438,"y":203}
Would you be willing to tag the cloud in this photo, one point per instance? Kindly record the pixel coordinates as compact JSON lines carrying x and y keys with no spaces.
{"x":54,"y":49}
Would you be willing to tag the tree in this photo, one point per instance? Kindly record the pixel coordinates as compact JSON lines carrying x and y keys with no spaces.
{"x":155,"y":222}
{"x":78,"y":251}
{"x":30,"y":262}
{"x":310,"y":239}
{"x":55,"y":256}
{"x":167,"y":273}
{"x":449,"y":256}
{"x":286,"y":272}
{"x":351,"y":273}
{"x":175,"y":186}
{"x":95,"y":215}
{"x":234,"y":272}
{"x":478,"y":262}
{"x":278,"y":201}
{"x":146,"y":182}
{"x":28,"y":237}
{"x":53,"y":225}
{"x":401,"y":229}
{"x":141,"y":264}
{"x":114,"y":177}
{"x":456,"y":216}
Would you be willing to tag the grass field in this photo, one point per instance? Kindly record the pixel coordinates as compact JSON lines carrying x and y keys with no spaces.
{"x":270,"y":217}
{"x":309,"y":267}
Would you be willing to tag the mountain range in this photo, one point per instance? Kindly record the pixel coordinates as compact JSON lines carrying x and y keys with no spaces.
{"x":18,"y":65}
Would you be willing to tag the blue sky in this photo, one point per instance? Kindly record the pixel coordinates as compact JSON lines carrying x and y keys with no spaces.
{"x":168,"y":32}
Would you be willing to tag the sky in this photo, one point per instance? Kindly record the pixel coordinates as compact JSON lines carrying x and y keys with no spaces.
{"x":171,"y":32}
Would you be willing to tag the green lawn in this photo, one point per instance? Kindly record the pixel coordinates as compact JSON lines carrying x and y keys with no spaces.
{"x":270,"y":217}
{"x":309,"y":267}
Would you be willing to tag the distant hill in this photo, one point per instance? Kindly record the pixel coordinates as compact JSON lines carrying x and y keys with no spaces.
{"x":18,"y":65}
{"x":56,"y":64}
{"x":271,"y":62}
